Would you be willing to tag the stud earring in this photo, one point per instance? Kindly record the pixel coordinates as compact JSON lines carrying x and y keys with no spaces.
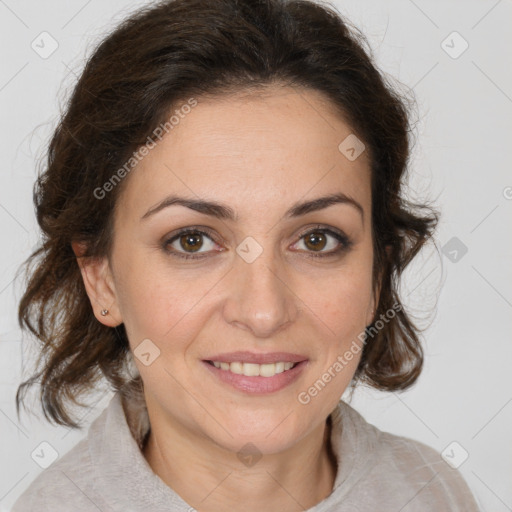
{"x":104,"y":312}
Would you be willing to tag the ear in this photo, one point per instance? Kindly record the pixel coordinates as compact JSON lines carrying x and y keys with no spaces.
{"x":99,"y":285}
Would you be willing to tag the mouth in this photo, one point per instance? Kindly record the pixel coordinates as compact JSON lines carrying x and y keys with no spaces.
{"x":256,"y":373}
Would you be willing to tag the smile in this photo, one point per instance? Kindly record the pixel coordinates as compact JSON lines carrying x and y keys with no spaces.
{"x":256,"y":374}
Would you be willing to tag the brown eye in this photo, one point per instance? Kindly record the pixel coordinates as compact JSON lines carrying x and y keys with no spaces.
{"x":315,"y":241}
{"x":191,"y":242}
{"x":323,"y":242}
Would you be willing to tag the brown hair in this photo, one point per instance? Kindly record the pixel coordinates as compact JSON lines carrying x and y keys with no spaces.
{"x":193,"y":48}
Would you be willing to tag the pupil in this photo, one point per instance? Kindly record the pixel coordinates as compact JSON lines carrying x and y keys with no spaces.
{"x":316,"y":241}
{"x":191,"y":242}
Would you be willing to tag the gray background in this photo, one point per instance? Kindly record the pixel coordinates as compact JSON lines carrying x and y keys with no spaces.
{"x":462,"y":160}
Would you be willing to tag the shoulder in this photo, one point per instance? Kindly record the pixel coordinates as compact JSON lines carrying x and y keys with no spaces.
{"x":69,"y":480}
{"x":74,"y":481}
{"x":402,"y":472}
{"x":423,"y":469}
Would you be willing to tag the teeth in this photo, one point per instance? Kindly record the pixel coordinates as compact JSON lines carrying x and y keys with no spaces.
{"x":267,"y":370}
{"x":250,"y":369}
{"x":237,"y":368}
{"x":254,"y":370}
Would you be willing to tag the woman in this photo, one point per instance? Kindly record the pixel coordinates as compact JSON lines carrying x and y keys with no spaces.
{"x":224,"y":233}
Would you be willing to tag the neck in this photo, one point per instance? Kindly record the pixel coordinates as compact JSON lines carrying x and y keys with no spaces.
{"x":209,"y":478}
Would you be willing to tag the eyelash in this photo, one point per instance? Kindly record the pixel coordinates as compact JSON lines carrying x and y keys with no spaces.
{"x":345,"y":242}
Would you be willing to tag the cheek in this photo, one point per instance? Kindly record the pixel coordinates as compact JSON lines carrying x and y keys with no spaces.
{"x":341,"y":302}
{"x":156,"y":303}
{"x":342,"y":306}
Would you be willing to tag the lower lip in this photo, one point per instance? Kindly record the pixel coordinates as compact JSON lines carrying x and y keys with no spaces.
{"x":258,"y":385}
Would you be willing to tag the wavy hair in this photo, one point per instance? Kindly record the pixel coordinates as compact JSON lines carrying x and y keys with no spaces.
{"x":145,"y":67}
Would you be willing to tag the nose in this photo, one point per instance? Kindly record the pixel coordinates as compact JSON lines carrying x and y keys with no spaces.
{"x":260,"y":299}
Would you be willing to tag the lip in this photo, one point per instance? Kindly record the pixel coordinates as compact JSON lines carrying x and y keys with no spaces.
{"x":252,"y":357}
{"x":257,"y":385}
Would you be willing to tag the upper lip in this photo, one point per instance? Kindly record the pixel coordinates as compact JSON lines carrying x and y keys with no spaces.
{"x":251,"y":357}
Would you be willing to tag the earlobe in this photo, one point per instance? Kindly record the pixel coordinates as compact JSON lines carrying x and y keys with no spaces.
{"x":99,"y":285}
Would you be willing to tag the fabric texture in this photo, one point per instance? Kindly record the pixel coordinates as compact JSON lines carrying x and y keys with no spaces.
{"x":377,"y":471}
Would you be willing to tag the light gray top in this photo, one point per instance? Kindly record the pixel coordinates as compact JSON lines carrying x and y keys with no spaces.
{"x":377,"y":471}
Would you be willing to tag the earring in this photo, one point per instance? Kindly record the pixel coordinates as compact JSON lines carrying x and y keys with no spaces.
{"x":104,"y":312}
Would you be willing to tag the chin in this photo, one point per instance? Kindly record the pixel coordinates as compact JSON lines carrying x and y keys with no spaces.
{"x":275,"y":432}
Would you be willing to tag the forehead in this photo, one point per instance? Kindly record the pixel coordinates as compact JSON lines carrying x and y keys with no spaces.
{"x":272,"y":148}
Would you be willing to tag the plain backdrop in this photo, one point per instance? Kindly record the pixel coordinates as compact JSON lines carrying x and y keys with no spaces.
{"x":456,"y":57}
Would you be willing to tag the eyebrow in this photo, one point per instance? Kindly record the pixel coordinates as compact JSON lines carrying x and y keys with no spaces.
{"x":224,"y":212}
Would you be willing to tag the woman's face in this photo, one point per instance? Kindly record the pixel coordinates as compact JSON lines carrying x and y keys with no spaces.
{"x":257,"y":268}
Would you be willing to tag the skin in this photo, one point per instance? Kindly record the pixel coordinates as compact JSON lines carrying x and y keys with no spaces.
{"x":259,"y":155}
